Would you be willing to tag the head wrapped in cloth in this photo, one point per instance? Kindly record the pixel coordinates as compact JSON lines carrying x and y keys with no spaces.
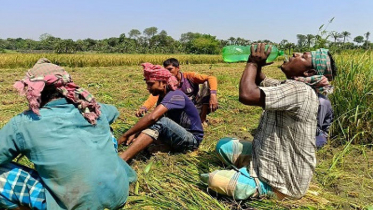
{"x":158,"y":73}
{"x":43,"y":74}
{"x":321,"y":63}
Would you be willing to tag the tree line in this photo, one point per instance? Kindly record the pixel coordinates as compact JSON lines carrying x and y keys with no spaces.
{"x":150,"y":41}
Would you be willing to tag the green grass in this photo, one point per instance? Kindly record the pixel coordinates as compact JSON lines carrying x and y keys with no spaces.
{"x":343,"y":177}
{"x":353,"y":98}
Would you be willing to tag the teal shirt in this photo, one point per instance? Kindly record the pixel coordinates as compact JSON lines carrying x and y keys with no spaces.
{"x":76,"y":160}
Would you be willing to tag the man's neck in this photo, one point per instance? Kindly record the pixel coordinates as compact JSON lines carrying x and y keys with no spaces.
{"x":164,"y":93}
{"x":178,"y":77}
{"x":44,"y":103}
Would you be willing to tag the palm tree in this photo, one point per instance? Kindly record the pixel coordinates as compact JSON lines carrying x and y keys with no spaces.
{"x":345,"y":34}
{"x":367,"y":34}
{"x":335,"y":36}
{"x":310,"y":38}
{"x":232,"y":40}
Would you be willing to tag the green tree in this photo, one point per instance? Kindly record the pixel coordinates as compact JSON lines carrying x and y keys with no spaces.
{"x":359,"y":39}
{"x":310,"y":40}
{"x":232,"y":40}
{"x":283,"y":43}
{"x":89,"y":45}
{"x":205,"y":45}
{"x":163,"y":33}
{"x":200,"y":43}
{"x":345,"y":35}
{"x":366,"y":44}
{"x":223,"y":43}
{"x":302,"y":40}
{"x":134,"y":34}
{"x":150,"y":32}
{"x":122,"y":37}
{"x":335,"y":35}
{"x":367,"y":34}
{"x":48,"y":42}
{"x":44,"y":36}
{"x":65,"y":46}
{"x":290,"y":47}
{"x":162,"y":42}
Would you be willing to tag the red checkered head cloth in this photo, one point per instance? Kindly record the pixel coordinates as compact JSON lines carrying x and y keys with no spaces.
{"x":44,"y":73}
{"x":158,"y":73}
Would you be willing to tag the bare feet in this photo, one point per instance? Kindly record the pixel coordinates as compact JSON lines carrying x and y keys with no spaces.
{"x":152,"y":149}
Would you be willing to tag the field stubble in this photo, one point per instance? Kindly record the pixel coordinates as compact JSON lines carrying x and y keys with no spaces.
{"x":343,"y":176}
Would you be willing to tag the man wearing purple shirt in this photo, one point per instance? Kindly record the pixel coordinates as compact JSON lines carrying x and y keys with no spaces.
{"x":173,"y":125}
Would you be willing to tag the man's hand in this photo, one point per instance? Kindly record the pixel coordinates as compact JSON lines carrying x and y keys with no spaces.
{"x":141,"y":112}
{"x":213,"y":102}
{"x":259,"y":56}
{"x":126,"y":140}
{"x":122,"y":139}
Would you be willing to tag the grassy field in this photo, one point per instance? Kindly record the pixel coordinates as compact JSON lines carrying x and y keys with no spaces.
{"x":14,"y":60}
{"x":344,"y":173}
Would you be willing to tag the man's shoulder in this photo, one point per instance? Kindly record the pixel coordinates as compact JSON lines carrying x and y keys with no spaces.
{"x":298,"y":85}
{"x":24,"y":116}
{"x":174,"y":95}
{"x":175,"y":92}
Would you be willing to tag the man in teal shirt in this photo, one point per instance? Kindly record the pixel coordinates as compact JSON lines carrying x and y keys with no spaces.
{"x":66,"y":134}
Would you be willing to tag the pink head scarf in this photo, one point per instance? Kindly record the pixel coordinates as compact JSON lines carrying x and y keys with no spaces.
{"x":44,"y":73}
{"x":158,"y":73}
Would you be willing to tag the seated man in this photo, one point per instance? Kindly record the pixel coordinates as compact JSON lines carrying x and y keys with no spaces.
{"x":281,"y":159}
{"x":66,"y":135}
{"x":204,"y":98}
{"x":173,"y":125}
{"x":324,"y":120}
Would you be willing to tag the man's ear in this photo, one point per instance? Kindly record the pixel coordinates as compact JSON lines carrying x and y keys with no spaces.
{"x":309,"y":72}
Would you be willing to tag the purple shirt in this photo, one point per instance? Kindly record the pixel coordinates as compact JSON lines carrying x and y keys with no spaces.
{"x":182,"y":111}
{"x":190,"y":89}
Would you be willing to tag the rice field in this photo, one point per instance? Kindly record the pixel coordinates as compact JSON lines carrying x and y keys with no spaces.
{"x":344,"y":175}
{"x":100,"y":60}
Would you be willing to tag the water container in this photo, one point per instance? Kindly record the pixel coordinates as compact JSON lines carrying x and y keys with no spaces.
{"x":236,"y":53}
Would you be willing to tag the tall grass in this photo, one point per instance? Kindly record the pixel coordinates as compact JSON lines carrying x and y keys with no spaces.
{"x":101,"y":60}
{"x":353,"y":98}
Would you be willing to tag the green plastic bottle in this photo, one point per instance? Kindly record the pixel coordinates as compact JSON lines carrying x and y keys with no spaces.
{"x":236,"y":53}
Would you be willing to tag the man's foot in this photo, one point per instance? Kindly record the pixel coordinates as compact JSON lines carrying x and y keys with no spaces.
{"x":164,"y":148}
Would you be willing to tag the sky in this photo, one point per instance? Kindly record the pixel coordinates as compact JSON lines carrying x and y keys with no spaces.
{"x":250,"y":19}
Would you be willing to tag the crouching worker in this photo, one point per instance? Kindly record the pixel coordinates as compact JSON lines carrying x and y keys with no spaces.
{"x":204,"y":97}
{"x":173,"y":125}
{"x":281,"y":160}
{"x":66,"y":135}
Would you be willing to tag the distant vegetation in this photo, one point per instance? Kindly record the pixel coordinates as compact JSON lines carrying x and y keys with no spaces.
{"x":150,"y":41}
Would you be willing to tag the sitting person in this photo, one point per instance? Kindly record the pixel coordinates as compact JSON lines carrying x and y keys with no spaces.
{"x":66,"y":135}
{"x":281,"y":159}
{"x":324,"y":120}
{"x":204,"y":98}
{"x":174,"y":124}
